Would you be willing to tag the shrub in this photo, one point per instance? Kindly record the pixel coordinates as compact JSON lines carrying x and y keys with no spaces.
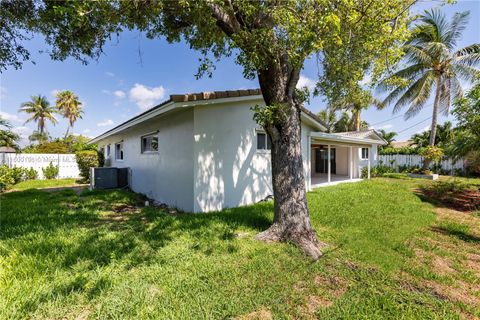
{"x":87,"y":159}
{"x":31,"y":174}
{"x":18,"y":174}
{"x":402,"y":150}
{"x":408,"y":169}
{"x":376,"y":171}
{"x":50,"y":171}
{"x":6,"y":177}
{"x":431,"y":153}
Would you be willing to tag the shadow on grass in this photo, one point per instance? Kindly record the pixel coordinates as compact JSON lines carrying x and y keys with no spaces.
{"x":102,"y":226}
{"x":460,"y":234}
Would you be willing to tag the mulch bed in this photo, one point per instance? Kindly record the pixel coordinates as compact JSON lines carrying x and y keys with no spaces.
{"x":465,"y":200}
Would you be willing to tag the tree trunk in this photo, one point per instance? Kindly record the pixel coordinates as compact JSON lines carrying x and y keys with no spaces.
{"x":357,"y":119}
{"x":291,"y":219}
{"x":433,"y":129}
{"x":66,"y":133}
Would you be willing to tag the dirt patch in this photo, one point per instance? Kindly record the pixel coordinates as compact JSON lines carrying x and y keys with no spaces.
{"x":462,"y":292}
{"x":125,"y":208}
{"x":472,"y":263}
{"x":315,"y":302}
{"x":442,"y":266}
{"x":262,"y":314}
{"x":467,"y":200}
{"x":335,"y":286}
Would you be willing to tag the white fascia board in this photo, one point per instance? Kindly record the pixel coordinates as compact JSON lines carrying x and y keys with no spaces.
{"x":167,"y":107}
{"x":312,"y":122}
{"x":338,"y":138}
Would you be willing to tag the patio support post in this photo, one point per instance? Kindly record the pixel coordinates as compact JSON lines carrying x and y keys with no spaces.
{"x":309,"y":161}
{"x":350,"y":170}
{"x":369,"y":156}
{"x":329,"y":165}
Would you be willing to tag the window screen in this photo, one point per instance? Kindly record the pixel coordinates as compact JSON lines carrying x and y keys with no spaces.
{"x":364,"y":153}
{"x":119,"y":151}
{"x":150,"y":143}
{"x":263,"y":141}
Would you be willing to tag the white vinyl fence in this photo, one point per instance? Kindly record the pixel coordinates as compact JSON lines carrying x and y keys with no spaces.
{"x":395,"y":160}
{"x":66,"y":162}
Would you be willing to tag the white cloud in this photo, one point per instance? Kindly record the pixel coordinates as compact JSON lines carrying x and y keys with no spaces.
{"x":3,"y":93}
{"x":54,"y":92}
{"x":146,"y":97}
{"x":23,"y":132}
{"x":386,"y":127}
{"x":87,"y":130}
{"x":11,"y":117}
{"x":109,"y":74}
{"x":105,"y":123}
{"x":306,"y":82}
{"x":426,"y":128}
{"x":119,"y":94}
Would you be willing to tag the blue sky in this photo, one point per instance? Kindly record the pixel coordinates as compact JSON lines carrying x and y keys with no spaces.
{"x":136,"y":73}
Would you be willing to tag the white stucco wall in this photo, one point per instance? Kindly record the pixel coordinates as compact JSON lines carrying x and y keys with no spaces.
{"x":229,"y":171}
{"x":166,"y":176}
{"x":364,"y":163}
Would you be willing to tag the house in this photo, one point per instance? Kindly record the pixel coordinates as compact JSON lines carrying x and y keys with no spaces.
{"x":204,"y":152}
{"x":402,"y":144}
{"x":7,"y":150}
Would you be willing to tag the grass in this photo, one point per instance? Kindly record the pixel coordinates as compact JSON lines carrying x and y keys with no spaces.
{"x":39,"y":184}
{"x":102,"y":255}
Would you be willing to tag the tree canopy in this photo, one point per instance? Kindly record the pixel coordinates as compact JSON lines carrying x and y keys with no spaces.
{"x":344,"y":35}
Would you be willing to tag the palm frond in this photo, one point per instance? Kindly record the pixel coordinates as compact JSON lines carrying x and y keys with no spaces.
{"x":417,"y":93}
{"x":464,"y":72}
{"x":469,"y":56}
{"x":456,"y":27}
{"x":417,"y":55}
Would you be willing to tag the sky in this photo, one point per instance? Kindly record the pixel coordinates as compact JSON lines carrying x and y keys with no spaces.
{"x":136,"y":73}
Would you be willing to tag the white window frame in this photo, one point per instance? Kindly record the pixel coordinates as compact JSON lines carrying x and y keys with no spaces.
{"x":152,"y":134}
{"x":267,"y":138}
{"x":368,"y":153}
{"x":122,"y":152}
{"x":108,"y":151}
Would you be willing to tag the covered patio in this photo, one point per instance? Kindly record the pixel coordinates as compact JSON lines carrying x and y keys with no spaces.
{"x":338,"y":158}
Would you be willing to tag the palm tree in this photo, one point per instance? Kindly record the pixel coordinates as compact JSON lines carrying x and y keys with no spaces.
{"x":70,"y":107}
{"x":388,"y":136}
{"x":36,"y":136}
{"x":39,"y":109}
{"x":356,"y":102}
{"x":329,"y":118}
{"x":431,"y":64}
{"x":9,"y":139}
{"x":445,"y":136}
{"x":5,"y":123}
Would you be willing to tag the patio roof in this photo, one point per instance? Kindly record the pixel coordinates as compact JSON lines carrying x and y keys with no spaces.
{"x":351,"y":137}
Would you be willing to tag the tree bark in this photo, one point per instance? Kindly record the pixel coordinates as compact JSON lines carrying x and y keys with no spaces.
{"x":433,"y":128}
{"x":291,"y":218}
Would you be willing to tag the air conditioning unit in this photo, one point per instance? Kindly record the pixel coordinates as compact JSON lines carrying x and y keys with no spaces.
{"x":109,"y":178}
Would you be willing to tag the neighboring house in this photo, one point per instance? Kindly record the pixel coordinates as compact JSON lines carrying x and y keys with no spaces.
{"x":401,"y":144}
{"x":204,"y":152}
{"x":7,"y":150}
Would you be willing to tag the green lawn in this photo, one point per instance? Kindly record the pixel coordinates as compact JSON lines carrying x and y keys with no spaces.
{"x":39,"y":184}
{"x":101,"y":255}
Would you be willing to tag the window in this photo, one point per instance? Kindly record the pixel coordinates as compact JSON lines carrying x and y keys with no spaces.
{"x":119,"y":151}
{"x":364,"y":153}
{"x":263,"y":141}
{"x":107,"y":151}
{"x":150,"y":143}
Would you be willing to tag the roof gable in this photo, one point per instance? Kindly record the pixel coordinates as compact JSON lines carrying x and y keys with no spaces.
{"x":196,"y":99}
